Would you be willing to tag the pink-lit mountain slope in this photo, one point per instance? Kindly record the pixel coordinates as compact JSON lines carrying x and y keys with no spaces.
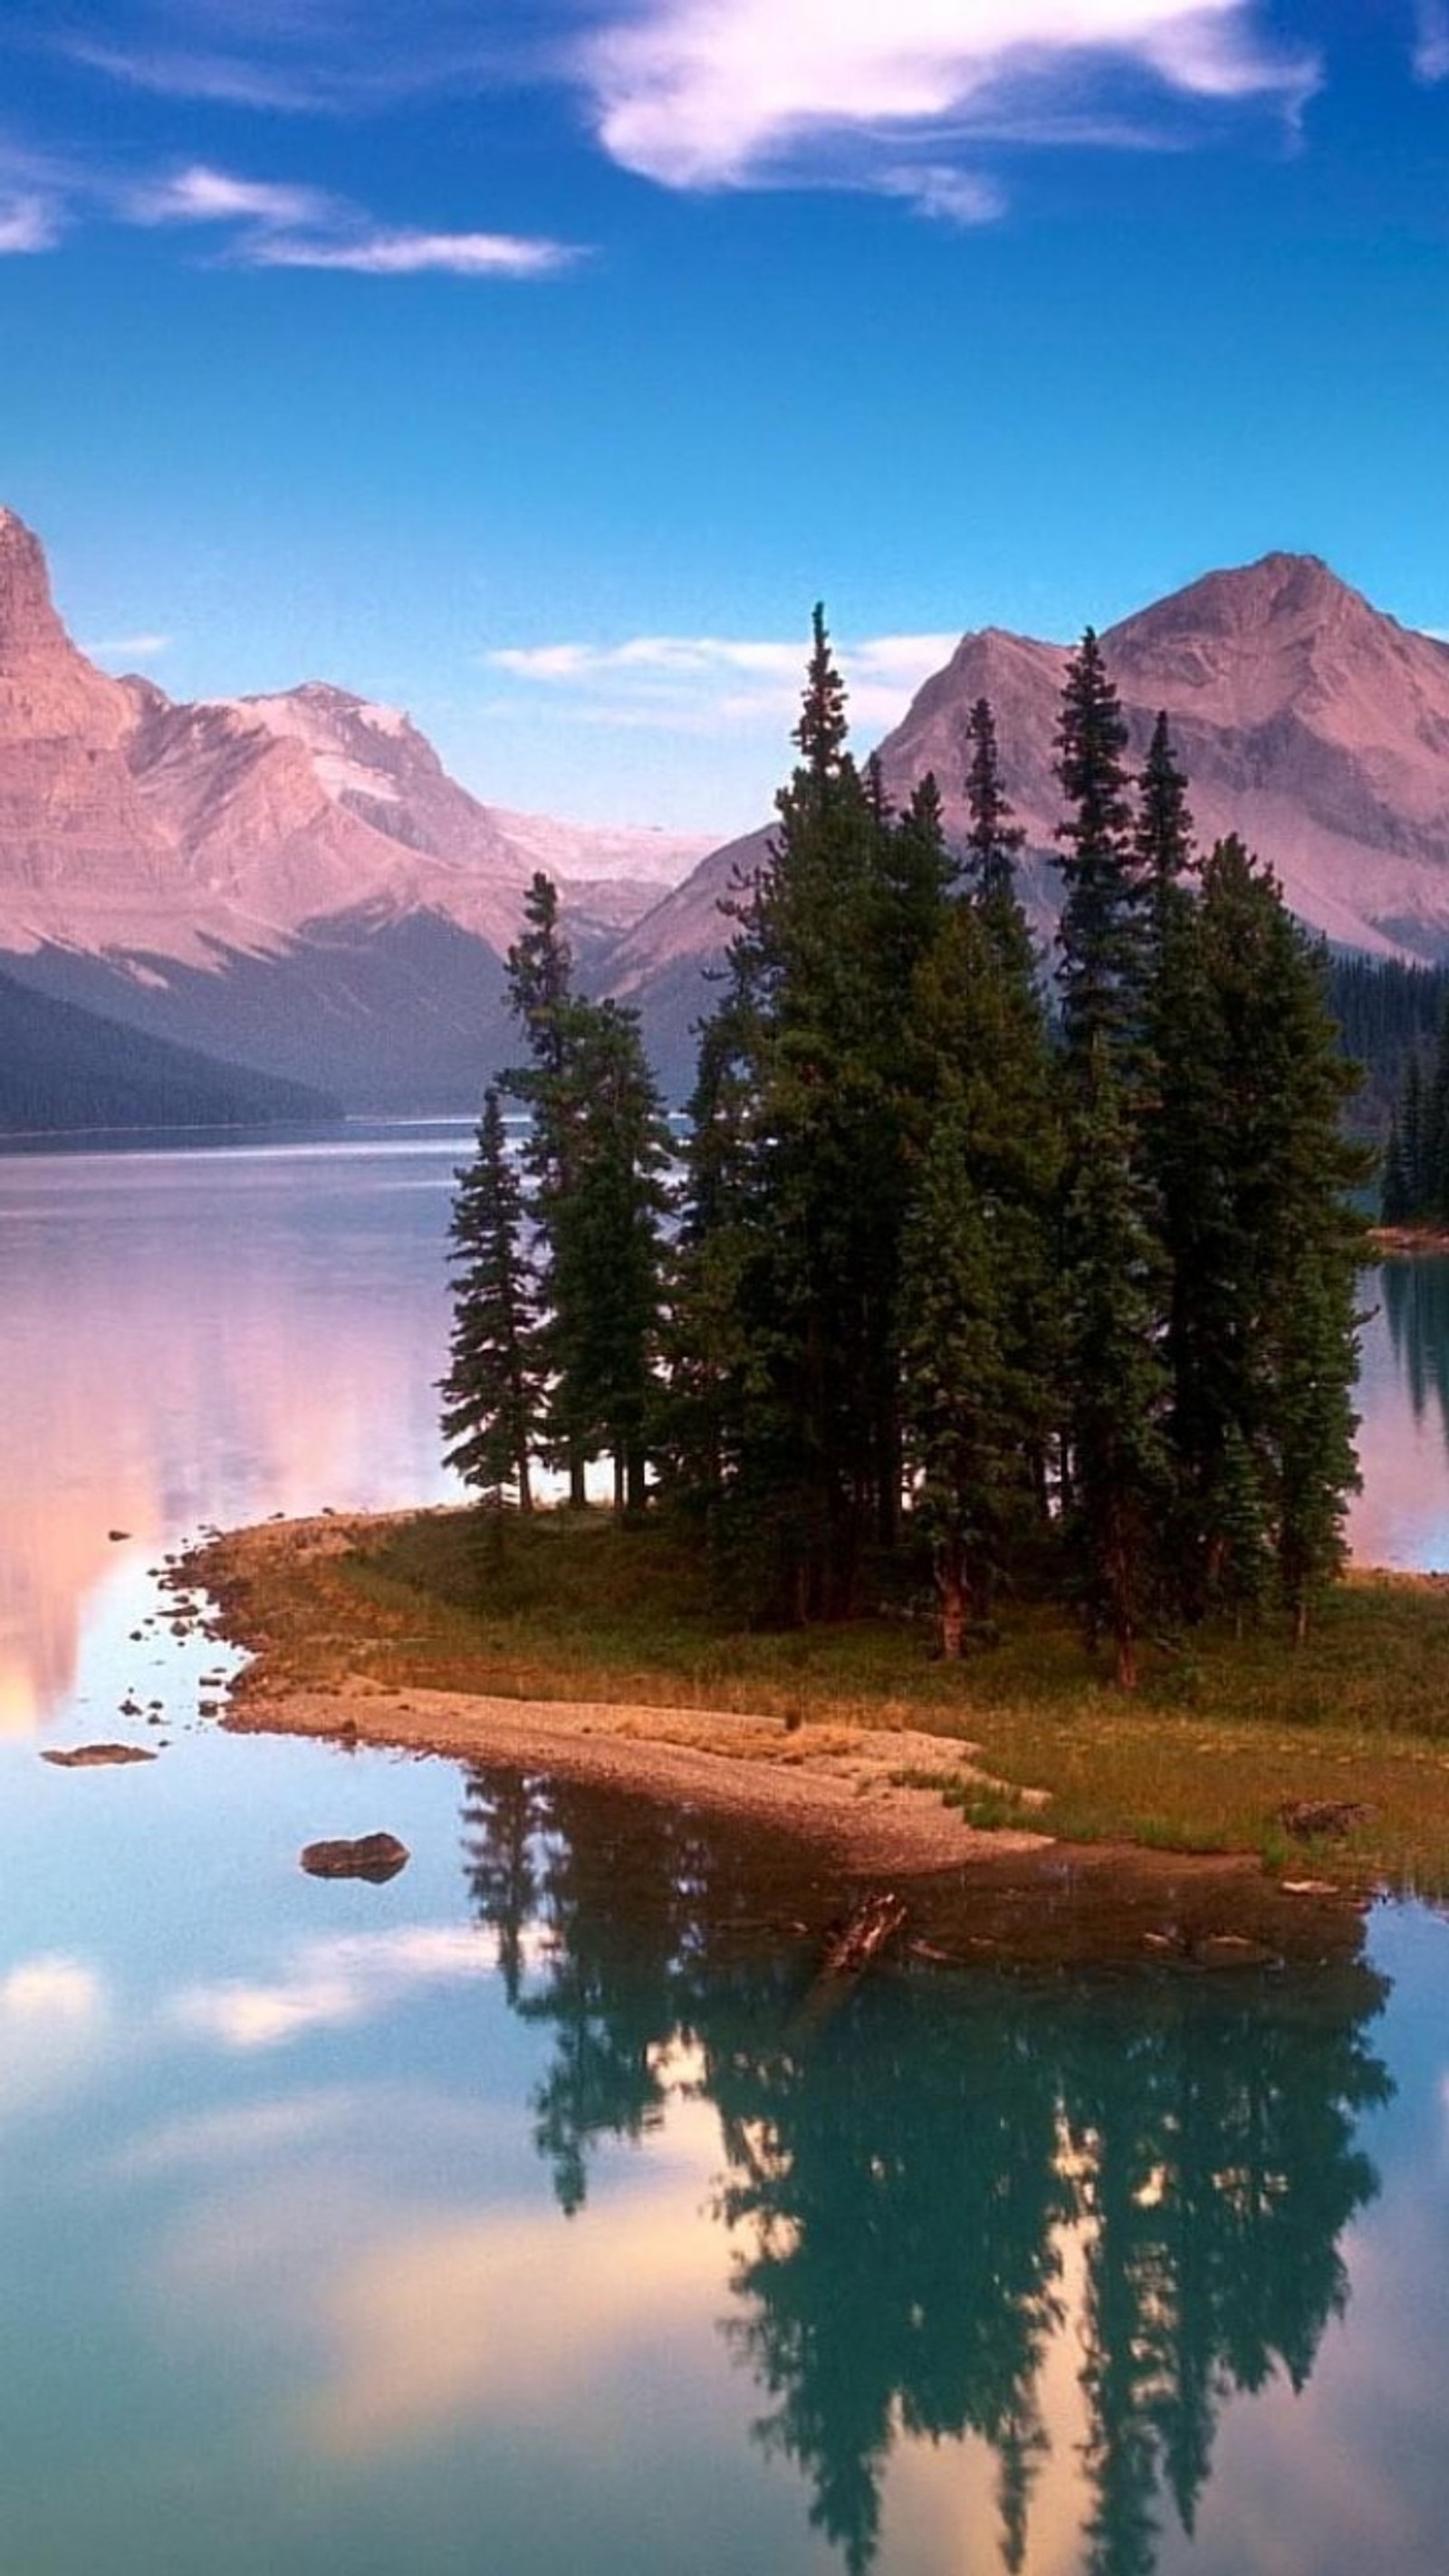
{"x":1308,"y":721}
{"x":279,"y":877}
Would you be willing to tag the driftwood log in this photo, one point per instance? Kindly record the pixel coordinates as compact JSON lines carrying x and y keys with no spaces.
{"x":868,"y":1929}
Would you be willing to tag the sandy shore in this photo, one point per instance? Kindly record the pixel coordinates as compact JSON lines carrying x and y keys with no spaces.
{"x":836,"y":1788}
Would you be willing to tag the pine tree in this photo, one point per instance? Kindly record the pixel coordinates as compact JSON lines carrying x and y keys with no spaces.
{"x":1396,"y":1206}
{"x":542,"y":997}
{"x":491,"y":1394}
{"x":993,"y":840}
{"x":1266,"y":1243}
{"x":1116,"y":1379}
{"x":1162,"y":842}
{"x":605,"y":1279}
{"x":819,"y":972}
{"x":1102,"y":932}
{"x":977,"y":1305}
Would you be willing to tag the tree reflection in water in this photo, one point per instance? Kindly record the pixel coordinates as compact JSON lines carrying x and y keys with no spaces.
{"x":906,"y":2166}
{"x":1416,"y":1302}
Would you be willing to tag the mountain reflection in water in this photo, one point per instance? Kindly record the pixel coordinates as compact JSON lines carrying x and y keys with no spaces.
{"x":935,"y":2190}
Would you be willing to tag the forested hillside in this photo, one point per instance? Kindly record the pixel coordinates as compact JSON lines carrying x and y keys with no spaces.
{"x":63,"y":1069}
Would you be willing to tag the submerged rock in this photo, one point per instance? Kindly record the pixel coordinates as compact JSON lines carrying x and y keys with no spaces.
{"x":374,"y":1856}
{"x":85,"y":1757}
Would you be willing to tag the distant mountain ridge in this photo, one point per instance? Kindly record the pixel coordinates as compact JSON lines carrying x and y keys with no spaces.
{"x":1308,"y":721}
{"x":295,"y":882}
{"x":260,"y":875}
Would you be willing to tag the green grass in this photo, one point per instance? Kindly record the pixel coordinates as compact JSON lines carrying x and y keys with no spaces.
{"x":1223,"y":1730}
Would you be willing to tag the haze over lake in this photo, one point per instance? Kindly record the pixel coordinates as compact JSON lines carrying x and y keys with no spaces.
{"x":521,"y":2215}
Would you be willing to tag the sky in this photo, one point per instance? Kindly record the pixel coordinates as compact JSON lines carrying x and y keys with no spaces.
{"x":535,"y":365}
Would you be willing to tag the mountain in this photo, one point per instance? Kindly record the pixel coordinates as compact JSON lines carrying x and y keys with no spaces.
{"x":293,"y":881}
{"x":62,"y":1070}
{"x":293,"y":878}
{"x":1307,"y":720}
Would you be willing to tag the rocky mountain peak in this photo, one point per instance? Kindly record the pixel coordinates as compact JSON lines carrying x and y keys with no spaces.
{"x":1252,"y":610}
{"x":48,"y":690}
{"x":28,"y":622}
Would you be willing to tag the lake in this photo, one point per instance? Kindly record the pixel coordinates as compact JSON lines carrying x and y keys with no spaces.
{"x":533,"y":2213}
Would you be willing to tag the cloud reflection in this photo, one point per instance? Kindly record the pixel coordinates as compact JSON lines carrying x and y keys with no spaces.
{"x":336,"y":1983}
{"x":54,"y":2017}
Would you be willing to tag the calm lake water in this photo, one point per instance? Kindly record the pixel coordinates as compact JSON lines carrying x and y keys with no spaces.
{"x":528,"y":2214}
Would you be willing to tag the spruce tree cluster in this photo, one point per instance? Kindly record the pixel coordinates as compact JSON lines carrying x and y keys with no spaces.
{"x":557,"y":1307}
{"x":1042,"y":1282}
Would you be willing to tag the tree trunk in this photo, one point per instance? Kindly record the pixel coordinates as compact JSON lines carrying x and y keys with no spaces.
{"x":951,"y":1585}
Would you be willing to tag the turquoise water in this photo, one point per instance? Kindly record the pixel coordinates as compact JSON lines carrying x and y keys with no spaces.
{"x":536,"y":2211}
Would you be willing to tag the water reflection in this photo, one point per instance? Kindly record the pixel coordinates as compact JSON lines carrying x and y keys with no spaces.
{"x":200,"y":1336}
{"x":1401,"y":1516}
{"x":931,"y":2199}
{"x":1416,"y":1302}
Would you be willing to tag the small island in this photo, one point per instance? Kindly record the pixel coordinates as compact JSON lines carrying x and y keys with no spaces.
{"x":976,"y":1375}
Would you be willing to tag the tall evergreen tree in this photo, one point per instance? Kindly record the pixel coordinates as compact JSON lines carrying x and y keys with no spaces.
{"x":1101,"y":934}
{"x":977,"y":1299}
{"x":994,"y":841}
{"x":491,"y":1394}
{"x":552,"y":1018}
{"x":1115,"y":1376}
{"x":1162,"y":842}
{"x":818,"y":984}
{"x":1258,"y":1171}
{"x":605,"y":1280}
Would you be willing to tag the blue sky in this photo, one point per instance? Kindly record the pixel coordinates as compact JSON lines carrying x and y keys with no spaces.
{"x":535,"y":364}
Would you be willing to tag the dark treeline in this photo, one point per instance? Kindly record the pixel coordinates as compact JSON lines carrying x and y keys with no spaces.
{"x":1049,"y":1299}
{"x":1416,"y":1157}
{"x":64,"y":1069}
{"x":904,"y":2175}
{"x":1388,"y":1012}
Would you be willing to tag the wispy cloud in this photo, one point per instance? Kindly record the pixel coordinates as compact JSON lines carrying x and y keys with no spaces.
{"x":1431,"y":49}
{"x":29,"y":223}
{"x":203,"y":196}
{"x":330,"y":1984}
{"x":337,"y":57}
{"x":408,"y":254}
{"x":129,"y":648}
{"x":279,"y":225}
{"x":701,"y":684}
{"x":697,"y":96}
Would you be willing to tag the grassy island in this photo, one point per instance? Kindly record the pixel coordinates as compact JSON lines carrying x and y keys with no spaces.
{"x":393,"y":1628}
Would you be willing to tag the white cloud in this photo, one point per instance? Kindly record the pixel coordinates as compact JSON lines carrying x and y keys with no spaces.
{"x":950,"y":196}
{"x":702,"y":684}
{"x":202,"y":195}
{"x":54,"y":2025}
{"x":29,"y":223}
{"x":279,"y":225}
{"x":50,"y":1990}
{"x":230,"y":80}
{"x":331,"y":1984}
{"x":409,"y":254}
{"x":696,"y":95}
{"x":130,"y":648}
{"x":1431,"y":50}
